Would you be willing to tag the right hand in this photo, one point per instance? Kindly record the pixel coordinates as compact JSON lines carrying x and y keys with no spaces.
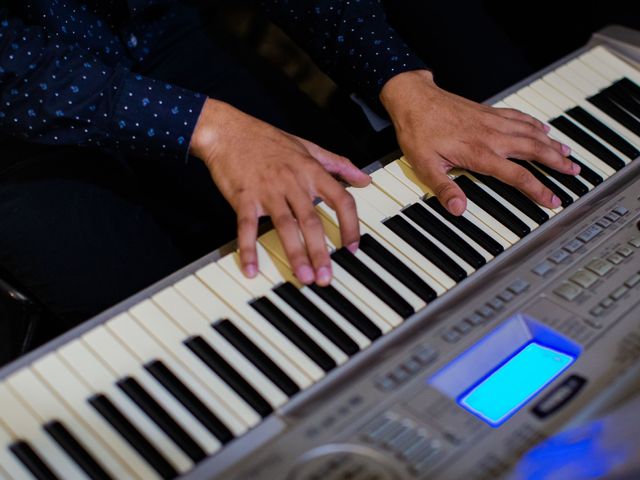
{"x":263,"y":171}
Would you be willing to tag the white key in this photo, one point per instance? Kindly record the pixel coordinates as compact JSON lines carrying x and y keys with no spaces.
{"x":582,"y":85}
{"x":124,"y":364}
{"x":610,"y":61}
{"x":213,"y":309}
{"x":388,"y":208}
{"x":404,"y":172}
{"x":402,"y":194}
{"x":21,"y":422}
{"x":238,"y":299}
{"x":188,"y":319}
{"x":85,"y":364}
{"x":331,"y":225}
{"x":565,"y":103}
{"x":582,"y":154}
{"x":343,"y":282}
{"x":568,"y":85}
{"x":233,"y":410}
{"x":588,"y":73}
{"x":94,"y":370}
{"x":74,"y":393}
{"x":146,"y":349}
{"x":47,"y":407}
{"x":260,"y":286}
{"x":12,"y":467}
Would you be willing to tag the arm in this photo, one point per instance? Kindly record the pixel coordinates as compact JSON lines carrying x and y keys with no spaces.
{"x":53,"y":94}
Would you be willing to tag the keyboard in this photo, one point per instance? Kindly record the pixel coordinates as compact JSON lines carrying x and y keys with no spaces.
{"x":446,"y":347}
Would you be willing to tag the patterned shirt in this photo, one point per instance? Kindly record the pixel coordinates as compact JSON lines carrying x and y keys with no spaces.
{"x":67,"y":67}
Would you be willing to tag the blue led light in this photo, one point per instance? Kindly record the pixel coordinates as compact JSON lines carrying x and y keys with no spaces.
{"x":506,"y":389}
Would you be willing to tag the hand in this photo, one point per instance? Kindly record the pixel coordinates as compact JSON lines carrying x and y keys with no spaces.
{"x":439,"y":131}
{"x":263,"y":171}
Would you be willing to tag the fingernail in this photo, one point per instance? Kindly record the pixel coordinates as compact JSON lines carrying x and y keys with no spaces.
{"x":250,"y":270}
{"x":323,"y":277}
{"x":546,"y":128}
{"x":566,"y":150}
{"x":455,"y":206}
{"x":555,"y":202}
{"x":305,"y":274}
{"x":353,"y":247}
{"x":575,"y":168}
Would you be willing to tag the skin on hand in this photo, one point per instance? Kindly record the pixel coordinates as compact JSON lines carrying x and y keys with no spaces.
{"x":439,"y":131}
{"x":263,"y":171}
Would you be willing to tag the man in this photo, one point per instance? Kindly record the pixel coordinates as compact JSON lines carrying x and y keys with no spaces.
{"x":138,"y":85}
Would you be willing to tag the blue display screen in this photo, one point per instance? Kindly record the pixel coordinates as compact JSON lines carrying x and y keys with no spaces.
{"x":506,"y":389}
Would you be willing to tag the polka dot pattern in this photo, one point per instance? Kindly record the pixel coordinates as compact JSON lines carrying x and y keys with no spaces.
{"x":350,"y":39}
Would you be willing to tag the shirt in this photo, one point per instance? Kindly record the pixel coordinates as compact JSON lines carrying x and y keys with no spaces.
{"x":67,"y":67}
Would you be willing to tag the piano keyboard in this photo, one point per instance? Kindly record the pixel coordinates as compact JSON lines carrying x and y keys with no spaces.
{"x":166,"y":384}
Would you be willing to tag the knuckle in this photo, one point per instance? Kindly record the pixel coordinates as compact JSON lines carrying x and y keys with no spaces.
{"x":281,"y":219}
{"x":309,"y":220}
{"x":522,"y":178}
{"x":344,"y":200}
{"x":443,"y":188}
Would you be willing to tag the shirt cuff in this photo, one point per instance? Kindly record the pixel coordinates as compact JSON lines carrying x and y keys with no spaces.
{"x":154,"y":118}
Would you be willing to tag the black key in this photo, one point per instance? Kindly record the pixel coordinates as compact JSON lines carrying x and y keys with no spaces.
{"x":256,"y":356}
{"x":596,"y":126}
{"x":30,"y":459}
{"x":587,"y":141}
{"x":585,"y":172}
{"x":373,"y":282}
{"x":616,"y":112}
{"x":568,"y":181}
{"x":492,"y":206}
{"x":190,"y":401}
{"x":294,"y":333}
{"x":565,"y":198}
{"x":159,"y":415}
{"x":515,"y":197}
{"x":622,"y":98}
{"x":132,"y":436}
{"x":348,"y":310}
{"x":422,"y":217}
{"x":226,"y":372}
{"x":301,"y":304}
{"x":472,"y":231}
{"x":631,"y":87}
{"x":395,"y":267}
{"x":427,"y":249}
{"x":76,"y":451}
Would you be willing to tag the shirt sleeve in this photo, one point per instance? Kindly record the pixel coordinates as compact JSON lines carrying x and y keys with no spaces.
{"x":54,"y":93}
{"x":351,"y":41}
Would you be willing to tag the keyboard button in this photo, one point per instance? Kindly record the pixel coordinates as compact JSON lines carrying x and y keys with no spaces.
{"x":612,"y":216}
{"x":558,"y":256}
{"x":635,"y":242}
{"x":519,"y":286}
{"x":599,"y":266}
{"x":543,"y":268}
{"x":625,"y":251}
{"x":615,"y":258}
{"x":619,"y":292}
{"x":596,"y":311}
{"x":568,"y":291}
{"x":604,"y":223}
{"x":620,"y":210}
{"x":607,"y":302}
{"x":633,"y":280}
{"x":589,"y":233}
{"x":506,"y":296}
{"x":584,"y":278}
{"x":573,"y":246}
{"x":486,"y":311}
{"x":496,"y":304}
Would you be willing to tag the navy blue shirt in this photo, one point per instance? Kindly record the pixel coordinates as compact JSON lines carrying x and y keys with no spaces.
{"x":67,"y":67}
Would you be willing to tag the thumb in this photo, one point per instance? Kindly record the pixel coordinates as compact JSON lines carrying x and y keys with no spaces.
{"x":337,"y":165}
{"x":446,"y":190}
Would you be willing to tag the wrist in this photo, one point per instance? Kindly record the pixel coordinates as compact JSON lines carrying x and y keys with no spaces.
{"x":207,"y":131}
{"x":396,"y":94}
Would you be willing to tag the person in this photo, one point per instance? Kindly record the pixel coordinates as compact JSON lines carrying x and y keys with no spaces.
{"x":133,"y":142}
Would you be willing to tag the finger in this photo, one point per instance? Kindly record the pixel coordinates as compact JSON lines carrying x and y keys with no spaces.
{"x":446,"y":190}
{"x":289,"y":233}
{"x":311,"y":226}
{"x":531,"y":149}
{"x":518,"y":177}
{"x":344,"y":205}
{"x":514,"y":114}
{"x":527,"y":130}
{"x":337,"y":165}
{"x":247,"y":238}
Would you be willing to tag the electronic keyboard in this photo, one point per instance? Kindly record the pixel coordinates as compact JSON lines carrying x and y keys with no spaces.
{"x":445,"y":347}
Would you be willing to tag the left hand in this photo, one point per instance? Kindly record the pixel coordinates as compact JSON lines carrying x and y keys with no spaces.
{"x":439,"y":131}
